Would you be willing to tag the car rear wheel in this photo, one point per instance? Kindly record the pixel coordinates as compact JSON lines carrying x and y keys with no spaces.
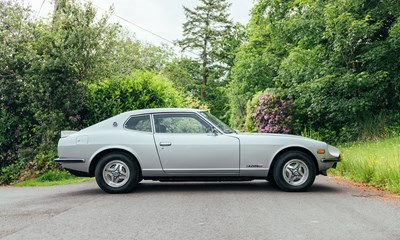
{"x":294,"y":172}
{"x":117,"y":173}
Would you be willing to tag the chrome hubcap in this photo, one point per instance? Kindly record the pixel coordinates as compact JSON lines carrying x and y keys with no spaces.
{"x":116,"y":173}
{"x":295,"y":172}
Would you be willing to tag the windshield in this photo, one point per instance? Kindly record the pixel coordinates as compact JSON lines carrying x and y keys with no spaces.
{"x":221,"y":125}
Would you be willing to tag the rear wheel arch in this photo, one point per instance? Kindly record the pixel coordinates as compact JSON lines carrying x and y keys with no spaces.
{"x":101,"y":154}
{"x":291,"y":149}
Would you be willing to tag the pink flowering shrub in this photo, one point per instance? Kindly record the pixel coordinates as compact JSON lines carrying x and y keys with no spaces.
{"x":268,"y":113}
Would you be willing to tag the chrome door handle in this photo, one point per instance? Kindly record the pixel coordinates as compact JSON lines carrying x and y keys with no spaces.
{"x":165,"y":144}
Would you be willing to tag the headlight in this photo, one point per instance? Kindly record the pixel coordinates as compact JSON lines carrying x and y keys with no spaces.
{"x":335,"y":152}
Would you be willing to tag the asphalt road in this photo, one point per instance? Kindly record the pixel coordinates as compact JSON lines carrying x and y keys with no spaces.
{"x":230,"y":210}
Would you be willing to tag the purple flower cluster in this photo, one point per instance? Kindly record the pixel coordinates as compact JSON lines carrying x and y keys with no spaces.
{"x":272,"y":114}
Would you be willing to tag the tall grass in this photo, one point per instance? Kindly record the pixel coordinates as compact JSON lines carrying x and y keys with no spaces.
{"x":374,"y":162}
{"x":372,"y":127}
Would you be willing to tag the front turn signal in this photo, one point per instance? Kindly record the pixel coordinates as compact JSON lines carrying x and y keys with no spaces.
{"x":321,"y":151}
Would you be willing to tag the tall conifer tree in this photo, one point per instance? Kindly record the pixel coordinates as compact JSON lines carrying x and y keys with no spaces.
{"x":205,"y":27}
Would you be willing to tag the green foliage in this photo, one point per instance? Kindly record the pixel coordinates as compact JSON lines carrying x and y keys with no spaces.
{"x":185,"y":75}
{"x":41,"y":74}
{"x":139,"y":90}
{"x":311,"y":133}
{"x":130,"y":55}
{"x":53,"y":177}
{"x":10,"y":173}
{"x":375,"y":162}
{"x":337,"y":101}
{"x":230,"y":42}
{"x":250,"y":124}
{"x":42,"y":79}
{"x":337,"y":60}
{"x":193,"y":102}
{"x":251,"y":73}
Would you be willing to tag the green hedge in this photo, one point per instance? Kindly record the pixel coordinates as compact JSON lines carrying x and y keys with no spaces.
{"x":139,"y":90}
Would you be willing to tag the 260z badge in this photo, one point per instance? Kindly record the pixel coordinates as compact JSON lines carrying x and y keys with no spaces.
{"x":254,"y":165}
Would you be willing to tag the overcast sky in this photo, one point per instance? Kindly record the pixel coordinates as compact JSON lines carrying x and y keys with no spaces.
{"x":162,"y":17}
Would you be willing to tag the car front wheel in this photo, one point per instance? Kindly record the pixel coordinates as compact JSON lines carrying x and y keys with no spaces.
{"x":294,"y":172}
{"x":117,"y":173}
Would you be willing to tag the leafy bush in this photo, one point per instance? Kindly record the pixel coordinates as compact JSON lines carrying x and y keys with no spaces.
{"x":269,"y":113}
{"x":347,"y":107}
{"x":139,"y":90}
{"x":10,"y":173}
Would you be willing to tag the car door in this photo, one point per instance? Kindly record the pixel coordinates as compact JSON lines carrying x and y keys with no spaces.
{"x":187,"y":146}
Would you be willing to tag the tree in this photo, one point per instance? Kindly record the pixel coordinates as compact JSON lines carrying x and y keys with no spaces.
{"x":185,"y":73}
{"x":205,"y":26}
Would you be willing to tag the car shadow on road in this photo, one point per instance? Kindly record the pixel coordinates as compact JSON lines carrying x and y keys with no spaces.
{"x":254,"y":186}
{"x":191,"y":187}
{"x":204,"y":186}
{"x":324,"y":188}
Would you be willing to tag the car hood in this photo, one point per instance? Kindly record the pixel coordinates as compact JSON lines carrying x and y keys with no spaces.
{"x":283,"y":137}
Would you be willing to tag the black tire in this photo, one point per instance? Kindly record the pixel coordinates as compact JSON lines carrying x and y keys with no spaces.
{"x":117,"y":173}
{"x":271,"y":179}
{"x":294,"y":172}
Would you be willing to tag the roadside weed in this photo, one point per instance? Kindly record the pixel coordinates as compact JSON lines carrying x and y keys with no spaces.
{"x":375,"y":162}
{"x":52,"y":178}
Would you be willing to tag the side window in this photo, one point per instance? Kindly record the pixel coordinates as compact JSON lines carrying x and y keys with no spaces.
{"x":139,"y":123}
{"x":180,"y":123}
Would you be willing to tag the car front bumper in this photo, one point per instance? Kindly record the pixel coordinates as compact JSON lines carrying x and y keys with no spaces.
{"x":331,"y":160}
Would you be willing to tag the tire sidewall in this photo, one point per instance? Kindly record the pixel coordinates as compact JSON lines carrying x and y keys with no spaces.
{"x":278,"y":169}
{"x":133,"y":176}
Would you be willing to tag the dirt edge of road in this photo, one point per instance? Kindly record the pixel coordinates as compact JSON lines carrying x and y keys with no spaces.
{"x":367,"y":190}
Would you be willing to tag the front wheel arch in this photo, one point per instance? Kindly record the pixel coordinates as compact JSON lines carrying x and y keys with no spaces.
{"x":290,"y":149}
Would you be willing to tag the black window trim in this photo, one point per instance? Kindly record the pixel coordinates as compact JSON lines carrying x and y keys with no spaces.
{"x":195,"y":114}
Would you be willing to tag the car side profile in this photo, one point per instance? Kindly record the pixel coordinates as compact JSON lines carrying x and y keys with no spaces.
{"x":176,"y":144}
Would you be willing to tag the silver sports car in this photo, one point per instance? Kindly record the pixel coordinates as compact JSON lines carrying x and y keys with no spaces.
{"x":189,"y":145}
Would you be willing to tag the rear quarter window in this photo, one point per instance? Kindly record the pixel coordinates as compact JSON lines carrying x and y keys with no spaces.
{"x":139,"y":123}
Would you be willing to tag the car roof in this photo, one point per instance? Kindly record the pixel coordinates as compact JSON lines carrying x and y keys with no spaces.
{"x":163,"y":110}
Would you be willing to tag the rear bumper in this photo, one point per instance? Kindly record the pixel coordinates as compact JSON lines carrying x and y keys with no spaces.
{"x":69,"y":160}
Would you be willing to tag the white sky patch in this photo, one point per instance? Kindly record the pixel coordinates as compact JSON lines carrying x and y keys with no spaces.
{"x":162,"y":17}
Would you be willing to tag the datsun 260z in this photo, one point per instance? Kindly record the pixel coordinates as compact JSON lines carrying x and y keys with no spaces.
{"x":189,"y":145}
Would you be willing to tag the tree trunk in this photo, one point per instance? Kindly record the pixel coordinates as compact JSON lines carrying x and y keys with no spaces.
{"x":204,"y":71}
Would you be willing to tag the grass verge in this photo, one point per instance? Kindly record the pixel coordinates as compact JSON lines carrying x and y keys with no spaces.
{"x":376,"y":163}
{"x":52,"y":178}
